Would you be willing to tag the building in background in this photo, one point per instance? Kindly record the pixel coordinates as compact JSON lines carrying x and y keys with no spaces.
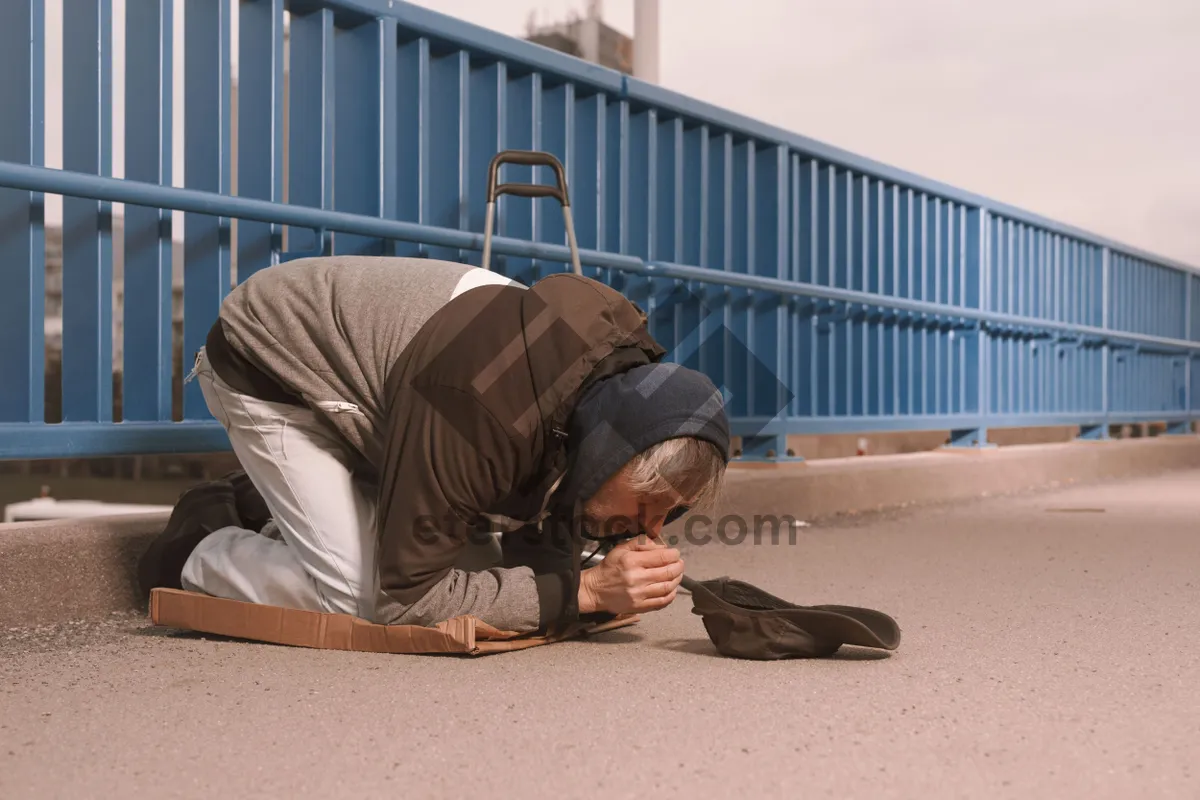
{"x":590,"y":39}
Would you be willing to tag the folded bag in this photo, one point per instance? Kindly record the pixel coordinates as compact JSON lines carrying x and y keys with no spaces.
{"x":744,"y":621}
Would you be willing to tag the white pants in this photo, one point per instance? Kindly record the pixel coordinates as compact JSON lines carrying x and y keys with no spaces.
{"x":319,"y":553}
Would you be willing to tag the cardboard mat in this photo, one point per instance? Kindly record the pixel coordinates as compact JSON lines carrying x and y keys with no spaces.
{"x":464,"y":635}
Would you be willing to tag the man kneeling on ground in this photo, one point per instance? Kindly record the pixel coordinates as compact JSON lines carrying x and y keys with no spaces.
{"x":398,"y":419}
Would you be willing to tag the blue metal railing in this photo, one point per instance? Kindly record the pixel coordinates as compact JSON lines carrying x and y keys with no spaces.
{"x":826,"y":292}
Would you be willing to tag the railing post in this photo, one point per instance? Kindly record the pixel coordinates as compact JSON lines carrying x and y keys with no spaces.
{"x":1188,"y":399}
{"x":22,"y":236}
{"x":207,"y":166}
{"x":389,"y":140}
{"x":1184,"y":427}
{"x":978,"y":255}
{"x":259,"y":129}
{"x":146,"y":392}
{"x":1099,"y":432}
{"x":770,"y":351}
{"x":87,"y":263}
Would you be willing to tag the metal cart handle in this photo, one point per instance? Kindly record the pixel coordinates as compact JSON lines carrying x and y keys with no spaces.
{"x":528,"y":158}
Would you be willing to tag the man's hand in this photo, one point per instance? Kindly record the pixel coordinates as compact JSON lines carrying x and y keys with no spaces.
{"x":639,"y":575}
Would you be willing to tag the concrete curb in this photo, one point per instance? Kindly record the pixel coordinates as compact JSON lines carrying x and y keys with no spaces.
{"x":836,"y":486}
{"x":54,"y":572}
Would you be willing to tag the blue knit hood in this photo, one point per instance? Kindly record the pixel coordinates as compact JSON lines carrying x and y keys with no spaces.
{"x":622,"y":415}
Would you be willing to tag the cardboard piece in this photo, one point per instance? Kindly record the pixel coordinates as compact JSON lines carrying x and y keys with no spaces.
{"x":465,"y":635}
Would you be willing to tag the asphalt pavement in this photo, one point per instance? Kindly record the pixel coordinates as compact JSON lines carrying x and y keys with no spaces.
{"x":1049,"y":650}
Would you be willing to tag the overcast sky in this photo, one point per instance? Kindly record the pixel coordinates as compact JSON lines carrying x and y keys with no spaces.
{"x":1087,"y":111}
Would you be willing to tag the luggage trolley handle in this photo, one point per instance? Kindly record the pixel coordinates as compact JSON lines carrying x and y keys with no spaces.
{"x":528,"y":158}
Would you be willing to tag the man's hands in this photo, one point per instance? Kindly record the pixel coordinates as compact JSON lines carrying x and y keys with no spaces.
{"x":639,"y":575}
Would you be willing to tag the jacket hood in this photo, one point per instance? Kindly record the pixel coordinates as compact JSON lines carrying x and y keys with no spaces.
{"x":622,"y":415}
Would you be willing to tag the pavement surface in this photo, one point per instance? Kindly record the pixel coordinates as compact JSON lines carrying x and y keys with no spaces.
{"x":1049,"y":651}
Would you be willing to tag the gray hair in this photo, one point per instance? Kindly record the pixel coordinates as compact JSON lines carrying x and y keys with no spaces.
{"x":687,"y":467}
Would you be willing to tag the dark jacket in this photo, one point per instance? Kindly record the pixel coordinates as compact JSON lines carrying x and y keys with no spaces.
{"x":479,"y":405}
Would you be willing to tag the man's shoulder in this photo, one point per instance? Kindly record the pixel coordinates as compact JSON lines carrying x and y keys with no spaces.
{"x":380,"y":271}
{"x":517,"y":352}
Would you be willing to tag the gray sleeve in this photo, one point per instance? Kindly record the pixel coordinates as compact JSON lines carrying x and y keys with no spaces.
{"x":507,"y":599}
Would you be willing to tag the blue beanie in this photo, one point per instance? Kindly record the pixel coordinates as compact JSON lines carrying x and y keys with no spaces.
{"x":623,"y":415}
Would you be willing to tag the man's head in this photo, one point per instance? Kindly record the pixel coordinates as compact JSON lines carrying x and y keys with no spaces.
{"x":672,"y":475}
{"x":644,"y":443}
